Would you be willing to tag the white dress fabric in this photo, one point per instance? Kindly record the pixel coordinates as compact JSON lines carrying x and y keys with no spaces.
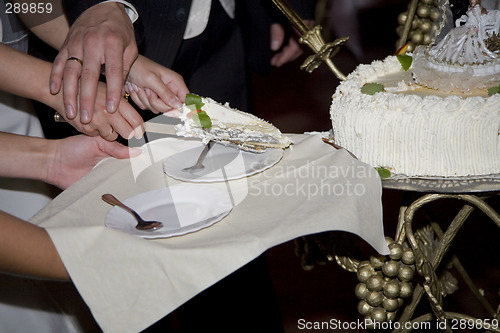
{"x":22,"y":198}
{"x":26,"y":305}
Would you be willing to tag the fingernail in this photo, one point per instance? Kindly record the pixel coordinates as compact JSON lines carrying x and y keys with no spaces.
{"x":275,"y":44}
{"x":131,"y":135}
{"x":138,"y":132}
{"x":131,"y":87}
{"x":53,"y":88}
{"x":84,"y":116}
{"x":135,"y":151}
{"x":70,"y":112}
{"x":110,"y":106}
{"x":148,"y":92}
{"x":176,"y":103}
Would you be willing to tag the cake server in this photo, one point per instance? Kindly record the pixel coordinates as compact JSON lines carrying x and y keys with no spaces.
{"x":199,"y":163}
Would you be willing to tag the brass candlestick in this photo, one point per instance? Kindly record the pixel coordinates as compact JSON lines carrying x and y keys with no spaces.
{"x":312,"y":38}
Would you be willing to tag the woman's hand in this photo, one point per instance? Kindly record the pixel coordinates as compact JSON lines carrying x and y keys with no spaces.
{"x":154,"y":87}
{"x":125,"y":122}
{"x":73,"y":157}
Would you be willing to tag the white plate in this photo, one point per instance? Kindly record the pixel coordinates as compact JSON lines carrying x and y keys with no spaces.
{"x":181,"y":208}
{"x":221,"y":163}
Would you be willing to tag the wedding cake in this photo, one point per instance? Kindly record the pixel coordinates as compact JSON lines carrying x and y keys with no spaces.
{"x":208,"y":120}
{"x":435,"y":112}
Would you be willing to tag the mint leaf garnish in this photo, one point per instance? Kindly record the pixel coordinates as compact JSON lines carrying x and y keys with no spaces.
{"x":193,"y":100}
{"x":405,"y":61}
{"x":202,"y":119}
{"x":493,"y":90}
{"x":383,"y":172}
{"x":372,"y":88}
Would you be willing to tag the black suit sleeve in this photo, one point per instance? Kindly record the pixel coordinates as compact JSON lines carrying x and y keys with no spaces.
{"x":74,"y":8}
{"x":305,"y":8}
{"x":159,"y":30}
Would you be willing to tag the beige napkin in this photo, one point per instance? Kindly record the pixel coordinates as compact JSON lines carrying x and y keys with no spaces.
{"x":129,"y":282}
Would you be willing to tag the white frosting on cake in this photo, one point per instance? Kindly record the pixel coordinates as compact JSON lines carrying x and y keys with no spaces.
{"x":413,"y":130}
{"x":232,"y":126}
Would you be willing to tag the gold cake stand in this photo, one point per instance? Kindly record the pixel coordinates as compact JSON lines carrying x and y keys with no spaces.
{"x":450,"y":185}
{"x":434,"y":279}
{"x":391,"y":288}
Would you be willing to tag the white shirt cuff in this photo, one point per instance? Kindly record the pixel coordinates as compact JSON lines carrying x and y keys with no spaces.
{"x":129,"y":9}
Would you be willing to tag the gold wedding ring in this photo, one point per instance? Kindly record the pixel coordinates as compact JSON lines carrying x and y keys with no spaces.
{"x":75,"y":59}
{"x":126,"y":96}
{"x":111,"y":133}
{"x":58,"y":118}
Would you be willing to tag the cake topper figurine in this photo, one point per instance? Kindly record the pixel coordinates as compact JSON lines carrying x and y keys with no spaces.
{"x":465,"y":44}
{"x":465,"y":60}
{"x":312,"y":38}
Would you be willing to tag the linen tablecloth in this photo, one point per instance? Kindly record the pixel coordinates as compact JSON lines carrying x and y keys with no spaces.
{"x":313,"y":188}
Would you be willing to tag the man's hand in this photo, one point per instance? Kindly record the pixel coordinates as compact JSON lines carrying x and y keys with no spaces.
{"x":102,"y":35}
{"x":289,"y":52}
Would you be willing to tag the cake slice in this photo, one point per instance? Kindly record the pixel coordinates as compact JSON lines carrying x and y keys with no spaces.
{"x":208,"y":120}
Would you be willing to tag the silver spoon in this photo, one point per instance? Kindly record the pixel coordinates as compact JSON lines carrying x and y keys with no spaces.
{"x":199,"y":163}
{"x":141,"y":224}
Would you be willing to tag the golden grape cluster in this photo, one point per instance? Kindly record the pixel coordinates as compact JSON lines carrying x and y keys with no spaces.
{"x":424,"y":24}
{"x":385,"y":282}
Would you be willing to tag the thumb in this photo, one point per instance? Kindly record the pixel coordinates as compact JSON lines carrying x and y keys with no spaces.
{"x":117,"y":150}
{"x":277,"y":36}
